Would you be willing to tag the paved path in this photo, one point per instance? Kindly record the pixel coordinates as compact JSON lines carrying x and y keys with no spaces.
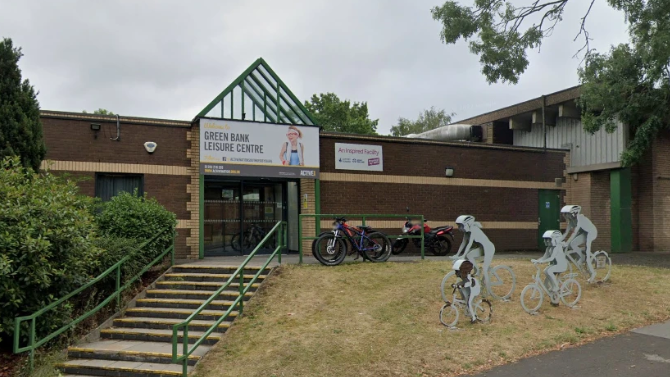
{"x":643,"y":352}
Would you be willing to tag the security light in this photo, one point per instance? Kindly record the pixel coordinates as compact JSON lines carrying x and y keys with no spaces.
{"x":95,"y":127}
{"x":449,"y":172}
{"x":150,"y":146}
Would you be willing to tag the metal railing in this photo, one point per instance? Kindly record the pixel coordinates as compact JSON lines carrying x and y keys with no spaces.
{"x":280,"y":229}
{"x":33,"y":343}
{"x":363,"y":217}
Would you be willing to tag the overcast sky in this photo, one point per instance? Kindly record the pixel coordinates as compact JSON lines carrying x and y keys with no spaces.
{"x":168,"y":59}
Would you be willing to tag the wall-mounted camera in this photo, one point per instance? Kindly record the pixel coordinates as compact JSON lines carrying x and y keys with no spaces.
{"x":150,"y":146}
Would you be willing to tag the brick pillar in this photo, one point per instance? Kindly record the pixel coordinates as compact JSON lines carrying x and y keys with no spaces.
{"x":599,"y":209}
{"x":193,"y":206}
{"x":307,"y":205}
{"x":661,"y":192}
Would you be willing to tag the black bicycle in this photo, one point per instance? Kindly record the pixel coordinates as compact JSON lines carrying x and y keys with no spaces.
{"x":251,"y":238}
{"x":331,"y":248}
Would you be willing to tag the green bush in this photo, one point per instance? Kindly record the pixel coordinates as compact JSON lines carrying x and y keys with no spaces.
{"x":46,"y":245}
{"x":138,"y":217}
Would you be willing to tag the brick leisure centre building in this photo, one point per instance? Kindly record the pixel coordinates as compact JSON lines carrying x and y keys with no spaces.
{"x":254,"y":155}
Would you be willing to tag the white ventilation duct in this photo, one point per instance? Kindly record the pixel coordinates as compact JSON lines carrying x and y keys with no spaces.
{"x":452,"y":132}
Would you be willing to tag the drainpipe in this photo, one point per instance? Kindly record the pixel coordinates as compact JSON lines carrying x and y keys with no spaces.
{"x":544,"y":125}
{"x":118,"y":129}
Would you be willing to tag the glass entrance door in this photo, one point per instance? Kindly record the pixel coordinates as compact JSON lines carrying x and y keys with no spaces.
{"x":222,"y":217}
{"x":239,"y":214}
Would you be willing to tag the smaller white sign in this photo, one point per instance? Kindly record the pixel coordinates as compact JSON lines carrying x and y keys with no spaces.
{"x":359,"y":157}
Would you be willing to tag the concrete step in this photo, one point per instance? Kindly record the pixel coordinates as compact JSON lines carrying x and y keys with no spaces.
{"x":201,"y":285}
{"x":156,"y":335}
{"x":124,"y":350}
{"x":206,"y":269}
{"x":120,"y":368}
{"x":205,"y":315}
{"x":182,"y":303}
{"x":167,"y":323}
{"x":194,"y":294}
{"x":187,"y":276}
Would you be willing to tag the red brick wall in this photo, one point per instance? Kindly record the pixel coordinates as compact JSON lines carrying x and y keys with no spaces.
{"x":446,"y":202}
{"x":475,"y":162}
{"x":73,"y":140}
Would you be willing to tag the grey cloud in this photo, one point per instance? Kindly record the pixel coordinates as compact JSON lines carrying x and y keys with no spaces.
{"x":168,"y":59}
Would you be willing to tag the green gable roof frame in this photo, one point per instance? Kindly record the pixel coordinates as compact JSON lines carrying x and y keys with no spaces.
{"x":258,"y":94}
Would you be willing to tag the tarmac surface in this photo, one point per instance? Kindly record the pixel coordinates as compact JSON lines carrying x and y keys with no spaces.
{"x":644,"y":352}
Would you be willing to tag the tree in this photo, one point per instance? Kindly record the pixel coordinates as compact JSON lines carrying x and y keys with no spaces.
{"x":100,"y":111}
{"x":428,"y":120}
{"x":630,"y":83}
{"x":341,"y":116}
{"x":20,"y":126}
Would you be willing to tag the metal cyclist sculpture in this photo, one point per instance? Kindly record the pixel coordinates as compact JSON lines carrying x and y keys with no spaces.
{"x":499,"y":281}
{"x":468,"y":297}
{"x":474,"y":234}
{"x":568,"y":291}
{"x":584,"y":232}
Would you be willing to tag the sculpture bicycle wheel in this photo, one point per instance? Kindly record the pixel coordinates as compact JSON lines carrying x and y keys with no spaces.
{"x":601,"y":263}
{"x":449,"y":315}
{"x":483,"y":310}
{"x":449,"y":279}
{"x":531,"y":298}
{"x":571,"y":292}
{"x":502,"y":282}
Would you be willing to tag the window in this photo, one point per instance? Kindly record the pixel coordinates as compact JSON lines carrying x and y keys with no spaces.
{"x":110,"y":185}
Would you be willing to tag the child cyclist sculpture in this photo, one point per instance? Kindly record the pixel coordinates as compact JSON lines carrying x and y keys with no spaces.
{"x":558,"y":264}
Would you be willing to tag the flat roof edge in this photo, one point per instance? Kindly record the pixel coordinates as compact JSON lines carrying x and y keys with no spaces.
{"x":112,"y":118}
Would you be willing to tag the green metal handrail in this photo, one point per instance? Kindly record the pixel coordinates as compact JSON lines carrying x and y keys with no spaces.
{"x":33,"y":344}
{"x":363,"y":217}
{"x":280,"y":229}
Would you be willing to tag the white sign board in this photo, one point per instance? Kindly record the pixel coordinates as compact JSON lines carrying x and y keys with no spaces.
{"x":253,"y":149}
{"x":359,"y":157}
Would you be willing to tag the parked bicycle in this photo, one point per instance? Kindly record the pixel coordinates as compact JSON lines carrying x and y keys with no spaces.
{"x":569,"y":293}
{"x":331,"y":248}
{"x":449,"y":313}
{"x":251,"y":238}
{"x":502,"y":280}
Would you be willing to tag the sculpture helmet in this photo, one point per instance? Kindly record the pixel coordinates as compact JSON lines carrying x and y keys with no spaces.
{"x":465,"y":222}
{"x":457,"y":264}
{"x":573,"y":210}
{"x":552,"y":237}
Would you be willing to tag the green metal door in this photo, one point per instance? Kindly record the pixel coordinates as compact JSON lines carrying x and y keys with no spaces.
{"x":549,"y":213}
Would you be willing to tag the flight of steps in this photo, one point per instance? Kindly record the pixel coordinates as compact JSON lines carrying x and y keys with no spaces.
{"x":139,"y":344}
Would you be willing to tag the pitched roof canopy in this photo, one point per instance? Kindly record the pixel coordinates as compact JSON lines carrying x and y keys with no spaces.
{"x":258,"y":94}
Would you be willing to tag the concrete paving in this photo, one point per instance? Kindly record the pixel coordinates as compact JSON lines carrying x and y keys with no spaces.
{"x":644,"y":352}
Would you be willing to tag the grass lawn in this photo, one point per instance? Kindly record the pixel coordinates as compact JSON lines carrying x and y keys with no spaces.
{"x":365,"y":319}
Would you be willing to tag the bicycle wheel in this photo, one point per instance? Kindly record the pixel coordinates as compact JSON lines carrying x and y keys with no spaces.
{"x":601,"y":263}
{"x":329,"y":250}
{"x":446,"y":289}
{"x":502,"y":282}
{"x":531,"y":298}
{"x":570,"y":292}
{"x":483,"y":310}
{"x":377,"y":247}
{"x":235,"y":242}
{"x":449,"y":315}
